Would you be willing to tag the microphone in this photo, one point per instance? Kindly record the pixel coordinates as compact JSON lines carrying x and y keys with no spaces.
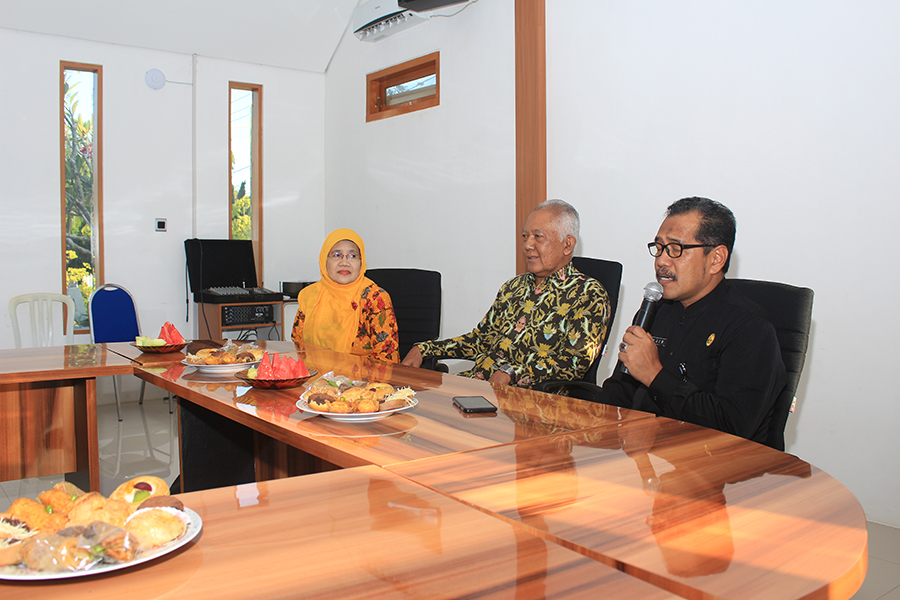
{"x":643,"y":318}
{"x":653,"y":291}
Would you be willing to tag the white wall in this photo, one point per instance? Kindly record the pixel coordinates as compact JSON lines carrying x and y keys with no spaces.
{"x":293,"y":161}
{"x":785,"y":112}
{"x":147,"y":172}
{"x":433,"y":189}
{"x":165,"y":155}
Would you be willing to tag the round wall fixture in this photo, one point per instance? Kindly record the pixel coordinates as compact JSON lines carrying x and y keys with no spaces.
{"x":155,"y":79}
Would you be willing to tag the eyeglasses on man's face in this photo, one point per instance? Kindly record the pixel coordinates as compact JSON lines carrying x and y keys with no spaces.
{"x":338,"y":255}
{"x":673,"y":249}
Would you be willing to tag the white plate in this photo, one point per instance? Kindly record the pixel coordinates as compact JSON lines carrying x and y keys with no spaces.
{"x":194,"y":527}
{"x":220,"y":369}
{"x":356,"y":417}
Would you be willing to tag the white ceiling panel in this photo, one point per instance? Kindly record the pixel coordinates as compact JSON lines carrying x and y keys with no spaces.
{"x":295,"y":34}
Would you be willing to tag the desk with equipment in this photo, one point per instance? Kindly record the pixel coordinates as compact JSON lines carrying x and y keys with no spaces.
{"x":224,"y":282}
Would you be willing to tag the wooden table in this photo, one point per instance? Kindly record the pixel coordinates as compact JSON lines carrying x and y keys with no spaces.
{"x":697,"y":512}
{"x":354,"y":533}
{"x":436,"y":427}
{"x":48,"y":411}
{"x":541,"y":500}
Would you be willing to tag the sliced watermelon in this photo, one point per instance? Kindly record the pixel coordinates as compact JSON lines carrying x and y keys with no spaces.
{"x":300,"y":369}
{"x":170,"y":334}
{"x":284,"y":369}
{"x":265,"y":370}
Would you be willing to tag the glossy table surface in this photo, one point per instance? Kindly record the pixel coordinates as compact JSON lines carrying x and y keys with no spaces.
{"x":700,"y":513}
{"x":679,"y":508}
{"x":48,"y":411}
{"x":434,"y":428}
{"x":353,"y":533}
{"x":54,"y":363}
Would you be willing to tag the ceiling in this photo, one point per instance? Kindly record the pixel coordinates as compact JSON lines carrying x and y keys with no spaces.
{"x":294,"y":34}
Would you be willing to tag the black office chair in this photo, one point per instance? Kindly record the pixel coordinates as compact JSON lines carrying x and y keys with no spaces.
{"x":609,"y":274}
{"x":789,"y":308}
{"x":416,"y":295}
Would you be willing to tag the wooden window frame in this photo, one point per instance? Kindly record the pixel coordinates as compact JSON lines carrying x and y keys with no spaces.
{"x":377,"y":83}
{"x":256,"y":177}
{"x":97,"y":149}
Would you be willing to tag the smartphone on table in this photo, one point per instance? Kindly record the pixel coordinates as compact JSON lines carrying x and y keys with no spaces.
{"x":474,"y":404}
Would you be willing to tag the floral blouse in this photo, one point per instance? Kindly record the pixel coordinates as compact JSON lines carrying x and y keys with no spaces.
{"x":377,"y":334}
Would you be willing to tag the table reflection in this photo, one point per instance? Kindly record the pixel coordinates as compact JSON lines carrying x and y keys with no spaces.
{"x":689,"y":516}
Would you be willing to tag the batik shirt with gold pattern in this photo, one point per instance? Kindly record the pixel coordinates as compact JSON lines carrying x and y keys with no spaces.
{"x":549,"y":332}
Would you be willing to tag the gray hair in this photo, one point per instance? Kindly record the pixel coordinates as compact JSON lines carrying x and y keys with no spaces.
{"x":567,"y":220}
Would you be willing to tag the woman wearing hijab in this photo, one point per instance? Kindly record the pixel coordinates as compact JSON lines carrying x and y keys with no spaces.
{"x":346,"y":311}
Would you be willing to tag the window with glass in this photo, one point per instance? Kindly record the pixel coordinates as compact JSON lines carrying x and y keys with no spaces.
{"x":81,"y":183}
{"x":407,"y":87}
{"x":245,"y":169}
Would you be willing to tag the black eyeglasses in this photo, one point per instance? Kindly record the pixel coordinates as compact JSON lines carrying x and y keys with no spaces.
{"x":673,"y":249}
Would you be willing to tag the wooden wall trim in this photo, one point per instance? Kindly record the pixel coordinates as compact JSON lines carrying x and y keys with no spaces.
{"x":531,"y":114}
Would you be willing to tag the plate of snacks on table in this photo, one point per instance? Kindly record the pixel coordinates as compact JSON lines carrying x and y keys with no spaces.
{"x":355,"y":401}
{"x":277,"y":371}
{"x":230,"y":358}
{"x":67,"y":533}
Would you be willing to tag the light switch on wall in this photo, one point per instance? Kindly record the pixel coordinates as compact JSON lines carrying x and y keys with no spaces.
{"x":160,"y":224}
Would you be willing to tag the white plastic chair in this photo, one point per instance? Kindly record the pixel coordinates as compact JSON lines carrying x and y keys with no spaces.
{"x":44,"y":327}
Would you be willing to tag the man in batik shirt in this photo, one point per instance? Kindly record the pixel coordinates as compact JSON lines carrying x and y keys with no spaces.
{"x":545,"y":324}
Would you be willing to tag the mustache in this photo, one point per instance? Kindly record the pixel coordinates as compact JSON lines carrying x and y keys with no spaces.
{"x":660,"y":273}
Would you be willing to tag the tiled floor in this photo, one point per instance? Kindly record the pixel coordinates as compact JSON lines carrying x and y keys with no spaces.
{"x":883,"y":577}
{"x":145,"y":443}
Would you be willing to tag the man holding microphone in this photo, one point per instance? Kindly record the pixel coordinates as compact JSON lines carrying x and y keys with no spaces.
{"x":710,"y":357}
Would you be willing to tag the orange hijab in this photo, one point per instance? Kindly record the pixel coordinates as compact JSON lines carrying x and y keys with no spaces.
{"x":332,"y":309}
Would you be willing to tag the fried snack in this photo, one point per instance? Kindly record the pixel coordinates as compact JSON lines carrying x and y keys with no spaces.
{"x":12,"y":535}
{"x":10,"y":551}
{"x":117,"y":544}
{"x":368,"y":405}
{"x":353,"y":395}
{"x":35,"y":515}
{"x":70,"y":488}
{"x":156,"y":526}
{"x":94,"y":507}
{"x":195,"y":359}
{"x":49,"y":552}
{"x":57,"y":501}
{"x":139,"y":489}
{"x":244,"y":357}
{"x":398,"y":399}
{"x":321,"y":386}
{"x":320,"y":402}
{"x":341,"y":407}
{"x":162,"y":502}
{"x":379,"y":391}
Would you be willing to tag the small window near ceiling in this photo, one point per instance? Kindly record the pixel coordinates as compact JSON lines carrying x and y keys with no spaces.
{"x":413,"y":85}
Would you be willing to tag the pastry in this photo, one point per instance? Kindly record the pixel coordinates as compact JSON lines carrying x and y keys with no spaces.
{"x":319,"y":401}
{"x":156,"y":526}
{"x":139,"y":489}
{"x":12,"y":534}
{"x":94,"y":507}
{"x":162,"y":502}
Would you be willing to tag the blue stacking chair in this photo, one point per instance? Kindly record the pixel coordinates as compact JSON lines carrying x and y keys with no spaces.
{"x":114,"y":318}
